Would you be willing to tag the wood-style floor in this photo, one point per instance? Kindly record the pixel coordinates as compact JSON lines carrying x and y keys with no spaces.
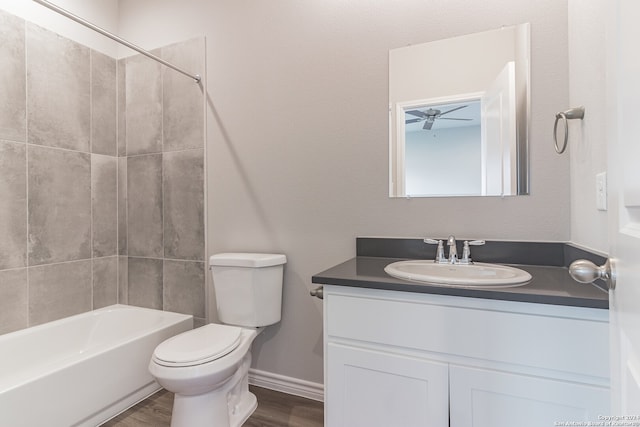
{"x":275,"y":409}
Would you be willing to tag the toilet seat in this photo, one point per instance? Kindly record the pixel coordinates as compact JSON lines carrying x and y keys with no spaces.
{"x":198,"y":346}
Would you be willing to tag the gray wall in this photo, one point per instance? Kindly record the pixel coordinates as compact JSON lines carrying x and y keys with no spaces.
{"x":297,"y":135}
{"x":63,"y":222}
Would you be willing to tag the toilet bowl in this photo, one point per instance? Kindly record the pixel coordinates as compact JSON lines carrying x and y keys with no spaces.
{"x":207,"y":368}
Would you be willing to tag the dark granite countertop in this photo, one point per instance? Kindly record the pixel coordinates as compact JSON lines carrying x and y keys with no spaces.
{"x":550,"y":284}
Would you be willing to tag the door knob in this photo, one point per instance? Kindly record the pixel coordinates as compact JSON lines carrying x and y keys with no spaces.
{"x":317,"y":292}
{"x":584,"y":271}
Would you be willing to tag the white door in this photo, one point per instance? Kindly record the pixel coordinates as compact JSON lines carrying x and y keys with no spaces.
{"x":623,"y":133}
{"x":498,"y":148}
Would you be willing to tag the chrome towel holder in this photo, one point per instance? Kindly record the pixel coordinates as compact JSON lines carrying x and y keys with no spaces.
{"x":570,"y":114}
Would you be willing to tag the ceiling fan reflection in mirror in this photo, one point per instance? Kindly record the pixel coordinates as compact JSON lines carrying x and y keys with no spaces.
{"x":430,"y":115}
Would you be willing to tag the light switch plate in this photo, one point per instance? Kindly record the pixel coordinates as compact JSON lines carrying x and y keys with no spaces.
{"x":601,"y":191}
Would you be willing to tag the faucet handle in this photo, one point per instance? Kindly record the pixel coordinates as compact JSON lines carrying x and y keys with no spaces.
{"x":475,"y":242}
{"x":466,"y":250}
{"x":440,"y":259}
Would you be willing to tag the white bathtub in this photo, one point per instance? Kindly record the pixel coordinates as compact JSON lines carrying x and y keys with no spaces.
{"x":84,"y":369}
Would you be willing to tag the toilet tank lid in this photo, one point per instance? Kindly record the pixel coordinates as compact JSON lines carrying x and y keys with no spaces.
{"x":239,"y":259}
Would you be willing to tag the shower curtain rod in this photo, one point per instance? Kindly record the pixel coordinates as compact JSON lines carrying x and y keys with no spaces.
{"x":106,"y":33}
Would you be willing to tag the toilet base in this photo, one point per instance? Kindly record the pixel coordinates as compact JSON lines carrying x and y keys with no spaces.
{"x":208,"y":411}
{"x":228,"y":406}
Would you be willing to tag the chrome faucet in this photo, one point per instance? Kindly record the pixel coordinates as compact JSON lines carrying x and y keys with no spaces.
{"x":453,"y":250}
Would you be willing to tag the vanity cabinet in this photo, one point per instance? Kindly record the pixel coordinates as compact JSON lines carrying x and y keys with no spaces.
{"x":408,"y":359}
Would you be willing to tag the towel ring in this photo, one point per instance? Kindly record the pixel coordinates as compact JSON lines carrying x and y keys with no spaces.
{"x":570,"y":114}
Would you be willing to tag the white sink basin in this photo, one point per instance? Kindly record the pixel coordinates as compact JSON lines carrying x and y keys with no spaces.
{"x":476,"y":275}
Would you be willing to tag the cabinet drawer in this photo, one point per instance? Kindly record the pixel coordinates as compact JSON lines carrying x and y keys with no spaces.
{"x":566,"y":344}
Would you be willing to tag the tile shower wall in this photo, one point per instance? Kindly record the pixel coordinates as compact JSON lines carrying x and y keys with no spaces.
{"x":101,"y":179}
{"x":161,"y":174}
{"x":58,"y":176}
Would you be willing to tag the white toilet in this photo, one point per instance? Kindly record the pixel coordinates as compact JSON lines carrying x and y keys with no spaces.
{"x":207,"y":368}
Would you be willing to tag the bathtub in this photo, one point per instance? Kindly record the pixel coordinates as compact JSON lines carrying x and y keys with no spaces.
{"x":84,"y":369}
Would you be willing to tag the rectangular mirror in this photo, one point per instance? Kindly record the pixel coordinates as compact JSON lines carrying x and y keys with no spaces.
{"x":458,"y":116}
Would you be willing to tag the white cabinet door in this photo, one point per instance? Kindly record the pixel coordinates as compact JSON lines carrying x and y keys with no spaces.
{"x":370,"y":388}
{"x":486,"y":398}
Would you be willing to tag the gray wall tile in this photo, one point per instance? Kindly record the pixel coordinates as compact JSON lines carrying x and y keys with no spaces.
{"x":183,"y":107}
{"x":183,"y":173}
{"x":13,"y":83}
{"x":184,"y":287}
{"x":144,"y":205}
{"x":59,"y":205}
{"x":145,"y":282}
{"x":63,"y":95}
{"x":123,"y":280}
{"x":103,"y":104}
{"x":104,"y":201}
{"x":122,"y":106}
{"x":105,"y":281}
{"x":58,"y":88}
{"x":122,"y":206}
{"x":13,"y":300}
{"x":13,"y":205}
{"x":143,"y":95}
{"x":59,"y":95}
{"x":59,"y":290}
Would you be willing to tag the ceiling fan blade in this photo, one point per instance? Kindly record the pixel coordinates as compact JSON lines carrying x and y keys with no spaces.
{"x":453,"y":109}
{"x":451,"y":118}
{"x":416,"y":113}
{"x":427,"y":125}
{"x":406,"y":122}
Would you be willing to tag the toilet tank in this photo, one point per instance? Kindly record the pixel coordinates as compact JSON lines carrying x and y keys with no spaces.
{"x":248,"y":287}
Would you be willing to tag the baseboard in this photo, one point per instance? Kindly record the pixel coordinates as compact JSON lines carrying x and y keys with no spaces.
{"x":289,"y":385}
